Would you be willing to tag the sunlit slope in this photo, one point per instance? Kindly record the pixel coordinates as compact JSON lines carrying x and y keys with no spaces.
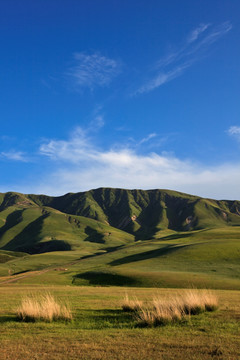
{"x":6,"y":256}
{"x":205,"y":258}
{"x":105,"y":218}
{"x":34,"y":229}
{"x":146,"y":212}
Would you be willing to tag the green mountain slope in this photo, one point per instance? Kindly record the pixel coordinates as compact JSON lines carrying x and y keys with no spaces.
{"x":105,"y":218}
{"x":144,"y":213}
{"x":27,"y":227}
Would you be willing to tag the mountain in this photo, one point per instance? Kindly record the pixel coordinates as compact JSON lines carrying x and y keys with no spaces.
{"x":156,"y":238}
{"x":105,"y":218}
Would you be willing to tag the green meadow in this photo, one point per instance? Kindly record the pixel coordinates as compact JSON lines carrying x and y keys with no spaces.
{"x":94,"y":284}
{"x":204,"y":259}
{"x":101,"y":330}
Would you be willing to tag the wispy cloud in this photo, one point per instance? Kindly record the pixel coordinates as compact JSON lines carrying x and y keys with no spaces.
{"x":93,"y":70}
{"x":194,"y":35}
{"x":147,"y":138}
{"x":77,"y":149}
{"x":175,"y":63}
{"x":162,"y":78}
{"x":79,"y":165}
{"x":97,"y":123}
{"x":234,"y":131}
{"x":14,"y":155}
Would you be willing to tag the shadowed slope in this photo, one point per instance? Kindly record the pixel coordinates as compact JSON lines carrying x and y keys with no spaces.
{"x":146,"y":212}
{"x":105,"y":217}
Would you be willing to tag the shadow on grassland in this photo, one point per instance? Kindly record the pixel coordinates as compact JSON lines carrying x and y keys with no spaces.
{"x":108,"y":318}
{"x":7,"y":318}
{"x":104,"y":278}
{"x":147,"y":255}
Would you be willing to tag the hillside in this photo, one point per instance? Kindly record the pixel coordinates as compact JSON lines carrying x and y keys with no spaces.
{"x":120,"y":237}
{"x":105,"y":218}
{"x":144,"y":212}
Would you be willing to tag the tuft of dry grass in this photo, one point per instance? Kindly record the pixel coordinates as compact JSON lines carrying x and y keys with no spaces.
{"x":210,"y":300}
{"x":131,"y":304}
{"x":160,"y":312}
{"x":43,"y":307}
{"x":197,"y":301}
{"x":193,"y":302}
{"x":164,"y":311}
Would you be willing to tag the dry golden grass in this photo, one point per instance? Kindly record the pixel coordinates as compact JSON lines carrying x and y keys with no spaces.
{"x":101,"y":331}
{"x":163,"y":311}
{"x":160,"y":312}
{"x":210,"y":300}
{"x":43,"y":307}
{"x":131,"y":304}
{"x":197,"y":301}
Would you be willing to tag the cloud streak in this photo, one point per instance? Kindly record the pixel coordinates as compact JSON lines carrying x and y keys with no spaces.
{"x":176,"y":63}
{"x":14,"y":156}
{"x":147,"y":138}
{"x":93,"y":70}
{"x":194,"y":35}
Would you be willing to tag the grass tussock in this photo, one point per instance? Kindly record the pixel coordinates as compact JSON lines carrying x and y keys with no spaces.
{"x":43,"y":307}
{"x":131,"y":304}
{"x":174,"y":309}
{"x":195,"y":302}
{"x":160,"y":312}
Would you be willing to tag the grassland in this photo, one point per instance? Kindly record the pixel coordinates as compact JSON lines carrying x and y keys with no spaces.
{"x":90,"y":249}
{"x":204,"y":259}
{"x":101,"y":330}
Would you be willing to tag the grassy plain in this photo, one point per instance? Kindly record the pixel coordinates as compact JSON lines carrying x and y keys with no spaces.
{"x":101,"y":330}
{"x":204,"y":259}
{"x":86,"y":279}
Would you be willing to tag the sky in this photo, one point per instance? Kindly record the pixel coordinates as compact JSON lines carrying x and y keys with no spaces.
{"x":136,"y":94}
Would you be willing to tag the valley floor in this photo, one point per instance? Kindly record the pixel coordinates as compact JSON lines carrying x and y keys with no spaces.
{"x":101,"y":330}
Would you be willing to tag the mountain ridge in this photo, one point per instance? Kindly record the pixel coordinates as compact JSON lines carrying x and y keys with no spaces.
{"x":106,"y":217}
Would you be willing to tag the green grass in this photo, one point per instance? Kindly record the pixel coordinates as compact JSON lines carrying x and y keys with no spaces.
{"x":209,"y":258}
{"x":6,"y":256}
{"x":101,"y":330}
{"x":94,"y":253}
{"x":37,"y":230}
{"x":105,"y":217}
{"x":150,"y":257}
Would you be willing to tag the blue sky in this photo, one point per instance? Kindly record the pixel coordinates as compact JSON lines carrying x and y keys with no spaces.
{"x":130,"y":94}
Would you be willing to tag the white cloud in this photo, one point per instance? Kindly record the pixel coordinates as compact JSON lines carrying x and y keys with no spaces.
{"x":194,"y":35}
{"x":216,"y":33}
{"x":97,"y":123}
{"x":175,"y":63}
{"x":147,"y":138}
{"x":93,"y":70}
{"x":81,"y":166}
{"x":14,"y":155}
{"x":234,"y":131}
{"x":72,"y":151}
{"x":162,"y":78}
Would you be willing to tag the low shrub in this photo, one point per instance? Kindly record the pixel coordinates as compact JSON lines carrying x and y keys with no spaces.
{"x":43,"y":307}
